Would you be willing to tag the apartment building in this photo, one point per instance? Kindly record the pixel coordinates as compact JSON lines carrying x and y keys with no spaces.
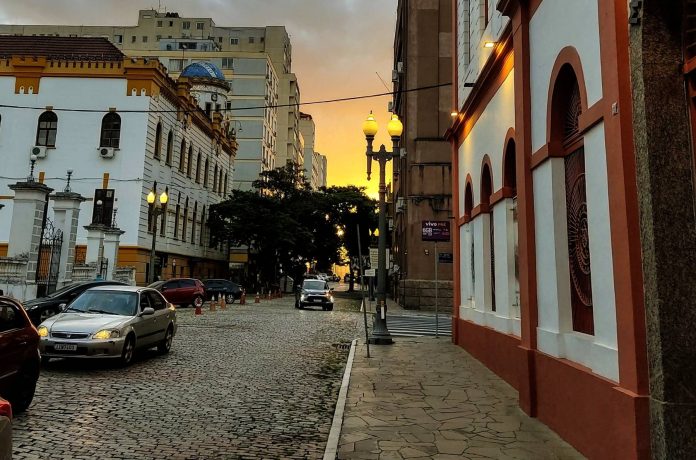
{"x":256,"y":62}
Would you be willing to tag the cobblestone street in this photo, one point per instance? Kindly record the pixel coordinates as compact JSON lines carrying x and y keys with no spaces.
{"x":254,"y":381}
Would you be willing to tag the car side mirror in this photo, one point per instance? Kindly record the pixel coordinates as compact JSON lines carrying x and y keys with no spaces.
{"x":147,"y":311}
{"x":62,"y":306}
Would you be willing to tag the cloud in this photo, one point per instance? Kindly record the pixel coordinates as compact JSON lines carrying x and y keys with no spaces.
{"x":338,"y":45}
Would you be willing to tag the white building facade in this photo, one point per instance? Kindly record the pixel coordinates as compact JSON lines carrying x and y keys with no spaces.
{"x":161,"y":136}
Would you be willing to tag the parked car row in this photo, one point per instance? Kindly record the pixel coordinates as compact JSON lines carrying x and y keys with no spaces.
{"x":189,"y":291}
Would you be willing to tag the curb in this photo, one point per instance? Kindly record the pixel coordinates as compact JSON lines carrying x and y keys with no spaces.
{"x":331,"y":451}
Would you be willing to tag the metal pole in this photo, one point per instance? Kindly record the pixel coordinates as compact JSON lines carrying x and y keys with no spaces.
{"x":154,"y":241}
{"x":362,"y":296}
{"x":380,"y":332}
{"x":437,"y":316}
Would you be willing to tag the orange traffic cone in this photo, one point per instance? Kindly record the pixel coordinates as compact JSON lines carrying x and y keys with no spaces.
{"x":242,"y":299}
{"x":223,"y":304}
{"x":199,"y":310}
{"x":257,"y":299}
{"x":213,"y":302}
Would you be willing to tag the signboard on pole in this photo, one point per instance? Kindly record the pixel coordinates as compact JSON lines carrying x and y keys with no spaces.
{"x":371,"y":272}
{"x":446,"y":257}
{"x":436,"y":230}
{"x":374,"y":256}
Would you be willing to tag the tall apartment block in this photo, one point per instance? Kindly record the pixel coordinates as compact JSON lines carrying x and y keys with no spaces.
{"x":256,"y":62}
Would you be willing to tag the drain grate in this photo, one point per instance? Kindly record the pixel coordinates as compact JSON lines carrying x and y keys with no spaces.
{"x":344,"y":346}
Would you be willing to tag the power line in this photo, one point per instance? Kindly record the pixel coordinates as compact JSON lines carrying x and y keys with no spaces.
{"x":231,"y":109}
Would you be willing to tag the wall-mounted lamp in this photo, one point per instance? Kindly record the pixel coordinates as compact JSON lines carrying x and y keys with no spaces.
{"x":489,"y":44}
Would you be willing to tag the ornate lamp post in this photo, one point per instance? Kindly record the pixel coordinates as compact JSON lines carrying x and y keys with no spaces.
{"x":156,"y":208}
{"x":380,"y":334}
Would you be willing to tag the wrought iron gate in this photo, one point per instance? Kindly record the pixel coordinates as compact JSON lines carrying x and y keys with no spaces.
{"x":48,"y":259}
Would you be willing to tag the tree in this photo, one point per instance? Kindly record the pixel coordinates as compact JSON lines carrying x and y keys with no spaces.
{"x":286,"y":224}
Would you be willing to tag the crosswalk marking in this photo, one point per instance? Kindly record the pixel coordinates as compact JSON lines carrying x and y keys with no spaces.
{"x":418,"y":325}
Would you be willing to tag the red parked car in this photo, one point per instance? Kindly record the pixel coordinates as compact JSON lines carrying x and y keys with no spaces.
{"x":5,"y":430}
{"x":19,"y":355}
{"x":182,"y":291}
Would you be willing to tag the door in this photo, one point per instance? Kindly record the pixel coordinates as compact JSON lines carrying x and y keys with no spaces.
{"x":170,"y":291}
{"x":161,"y":315}
{"x":13,"y":343}
{"x":144,"y":326}
{"x":188,"y":290}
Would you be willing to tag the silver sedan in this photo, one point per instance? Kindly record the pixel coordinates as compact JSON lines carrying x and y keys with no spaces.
{"x":109,"y":322}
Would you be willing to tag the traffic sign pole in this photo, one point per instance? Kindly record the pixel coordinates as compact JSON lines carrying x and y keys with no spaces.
{"x":437,"y":319}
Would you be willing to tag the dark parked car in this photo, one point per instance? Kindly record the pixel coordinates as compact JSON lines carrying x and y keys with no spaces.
{"x":19,"y":355}
{"x":5,"y":430}
{"x":217,"y":288}
{"x":39,"y":310}
{"x":182,"y":291}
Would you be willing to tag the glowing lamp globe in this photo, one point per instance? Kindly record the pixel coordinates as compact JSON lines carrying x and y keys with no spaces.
{"x":164,"y":198}
{"x":151,"y":197}
{"x":395,"y":127}
{"x":370,"y":126}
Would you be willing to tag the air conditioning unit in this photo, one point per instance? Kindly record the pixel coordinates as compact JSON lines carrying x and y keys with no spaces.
{"x":400,"y":204}
{"x":38,"y":150}
{"x":106,"y":152}
{"x":400,"y":67}
{"x":390,"y":106}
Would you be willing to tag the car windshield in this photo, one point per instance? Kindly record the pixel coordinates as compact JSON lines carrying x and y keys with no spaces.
{"x":156,"y":285}
{"x":314,"y":285}
{"x":63,"y":290}
{"x":106,"y":302}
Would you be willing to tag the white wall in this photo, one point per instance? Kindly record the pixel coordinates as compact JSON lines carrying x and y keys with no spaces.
{"x":555,"y":25}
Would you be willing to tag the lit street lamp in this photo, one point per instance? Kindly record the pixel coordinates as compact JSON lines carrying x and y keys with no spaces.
{"x":156,"y":208}
{"x":380,"y":334}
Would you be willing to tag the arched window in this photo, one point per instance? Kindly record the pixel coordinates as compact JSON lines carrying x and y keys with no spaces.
{"x":185,"y":219}
{"x":486,"y":192}
{"x":510,"y":182}
{"x":510,"y":172}
{"x":182,"y":155}
{"x":47,"y":129}
{"x":110,"y":130}
{"x":567,"y":100}
{"x":202,"y":232}
{"x":170,"y":148}
{"x":205,"y":173}
{"x":468,"y":201}
{"x":193,"y":222}
{"x":215,"y":179}
{"x":198,"y":167}
{"x":189,"y":161}
{"x":158,"y":141}
{"x":224,"y":190}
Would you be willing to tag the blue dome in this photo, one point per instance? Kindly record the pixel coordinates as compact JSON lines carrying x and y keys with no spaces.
{"x":203,"y":70}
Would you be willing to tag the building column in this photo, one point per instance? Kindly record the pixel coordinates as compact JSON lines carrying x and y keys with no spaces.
{"x":667,"y":206}
{"x":66,"y":211}
{"x":112,"y":237}
{"x":95,"y":243}
{"x":28,"y":210}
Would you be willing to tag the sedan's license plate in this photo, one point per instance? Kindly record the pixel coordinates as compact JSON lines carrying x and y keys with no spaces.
{"x":65,"y":347}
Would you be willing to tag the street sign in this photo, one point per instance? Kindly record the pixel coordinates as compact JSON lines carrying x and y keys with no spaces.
{"x":374,"y":256}
{"x":446,"y":257}
{"x":371,"y":272}
{"x":436,"y":230}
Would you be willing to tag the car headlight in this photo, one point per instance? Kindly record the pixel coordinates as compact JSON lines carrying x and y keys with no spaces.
{"x":43,"y":331}
{"x":106,"y":334}
{"x":331,"y":298}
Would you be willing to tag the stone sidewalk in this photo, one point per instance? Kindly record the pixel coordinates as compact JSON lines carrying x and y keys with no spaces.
{"x":427,"y":398}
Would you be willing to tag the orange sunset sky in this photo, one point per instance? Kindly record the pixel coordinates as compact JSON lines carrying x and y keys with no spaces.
{"x":339,"y":47}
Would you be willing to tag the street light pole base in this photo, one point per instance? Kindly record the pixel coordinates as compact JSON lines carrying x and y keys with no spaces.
{"x":381,"y":340}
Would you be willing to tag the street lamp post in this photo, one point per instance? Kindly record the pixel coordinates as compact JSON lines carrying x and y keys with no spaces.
{"x":380,"y":334}
{"x":156,"y":208}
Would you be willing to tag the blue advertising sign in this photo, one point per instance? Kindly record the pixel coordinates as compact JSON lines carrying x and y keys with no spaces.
{"x":436,"y":230}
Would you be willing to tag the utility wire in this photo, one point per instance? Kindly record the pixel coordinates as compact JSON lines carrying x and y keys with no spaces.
{"x":234,"y":109}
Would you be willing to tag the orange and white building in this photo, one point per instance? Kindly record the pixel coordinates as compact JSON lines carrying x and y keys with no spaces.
{"x":548,"y":276}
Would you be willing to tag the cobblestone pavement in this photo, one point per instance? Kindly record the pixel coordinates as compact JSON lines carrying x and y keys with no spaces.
{"x":254,"y":381}
{"x":425,"y":398}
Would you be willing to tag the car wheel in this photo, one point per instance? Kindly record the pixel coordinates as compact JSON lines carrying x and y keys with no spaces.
{"x":128,"y":351}
{"x":330,"y":307}
{"x":229,"y":298}
{"x":197,"y":301}
{"x":302,"y":306}
{"x":166,"y":344}
{"x":24,"y":392}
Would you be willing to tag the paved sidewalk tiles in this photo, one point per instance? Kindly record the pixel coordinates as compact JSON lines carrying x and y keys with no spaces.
{"x":427,"y":398}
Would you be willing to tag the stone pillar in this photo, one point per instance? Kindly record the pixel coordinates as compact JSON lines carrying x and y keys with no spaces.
{"x":28,"y":209}
{"x":112,"y":237}
{"x":66,"y":211}
{"x":665,"y":176}
{"x":95,"y":243}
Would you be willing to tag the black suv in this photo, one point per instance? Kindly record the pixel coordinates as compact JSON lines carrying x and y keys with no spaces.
{"x":217,"y":287}
{"x":39,"y":310}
